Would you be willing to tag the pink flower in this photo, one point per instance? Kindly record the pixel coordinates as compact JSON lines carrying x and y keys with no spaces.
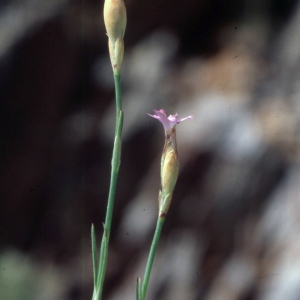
{"x":168,"y":122}
{"x":169,"y":166}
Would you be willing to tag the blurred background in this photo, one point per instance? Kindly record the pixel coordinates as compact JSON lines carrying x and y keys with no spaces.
{"x":233,"y":229}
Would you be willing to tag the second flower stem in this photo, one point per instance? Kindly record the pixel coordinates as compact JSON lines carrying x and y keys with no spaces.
{"x":159,"y":225}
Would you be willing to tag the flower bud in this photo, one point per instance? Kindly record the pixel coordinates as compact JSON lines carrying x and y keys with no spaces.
{"x":169,"y":171}
{"x":169,"y":161}
{"x":169,"y":175}
{"x":115,"y":23}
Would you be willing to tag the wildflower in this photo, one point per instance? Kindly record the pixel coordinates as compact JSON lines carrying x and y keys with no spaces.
{"x":168,"y":122}
{"x":169,"y":161}
{"x":115,"y":23}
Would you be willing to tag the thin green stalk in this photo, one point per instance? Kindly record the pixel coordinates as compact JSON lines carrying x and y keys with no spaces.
{"x":159,"y":225}
{"x":115,"y":164}
{"x":117,"y":78}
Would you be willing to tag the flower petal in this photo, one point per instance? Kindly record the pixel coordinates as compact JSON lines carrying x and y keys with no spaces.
{"x":168,"y":122}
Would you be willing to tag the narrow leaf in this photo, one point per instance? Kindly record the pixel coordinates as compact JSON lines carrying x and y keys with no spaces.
{"x":102,"y":260}
{"x":138,"y":289}
{"x":94,"y":255}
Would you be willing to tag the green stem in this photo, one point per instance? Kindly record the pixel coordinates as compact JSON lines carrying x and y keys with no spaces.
{"x":117,"y":78}
{"x":159,"y":224}
{"x":115,"y":164}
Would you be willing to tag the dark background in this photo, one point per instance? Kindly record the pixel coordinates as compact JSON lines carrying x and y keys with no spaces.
{"x":232,"y":231}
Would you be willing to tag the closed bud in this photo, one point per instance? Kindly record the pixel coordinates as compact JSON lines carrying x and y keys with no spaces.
{"x":115,"y":23}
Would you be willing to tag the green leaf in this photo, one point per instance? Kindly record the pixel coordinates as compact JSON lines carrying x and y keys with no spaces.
{"x":138,"y":289}
{"x":94,"y":254}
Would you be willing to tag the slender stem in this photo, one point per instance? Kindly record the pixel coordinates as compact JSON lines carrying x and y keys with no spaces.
{"x":159,"y":224}
{"x":117,"y":78}
{"x":115,"y":164}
